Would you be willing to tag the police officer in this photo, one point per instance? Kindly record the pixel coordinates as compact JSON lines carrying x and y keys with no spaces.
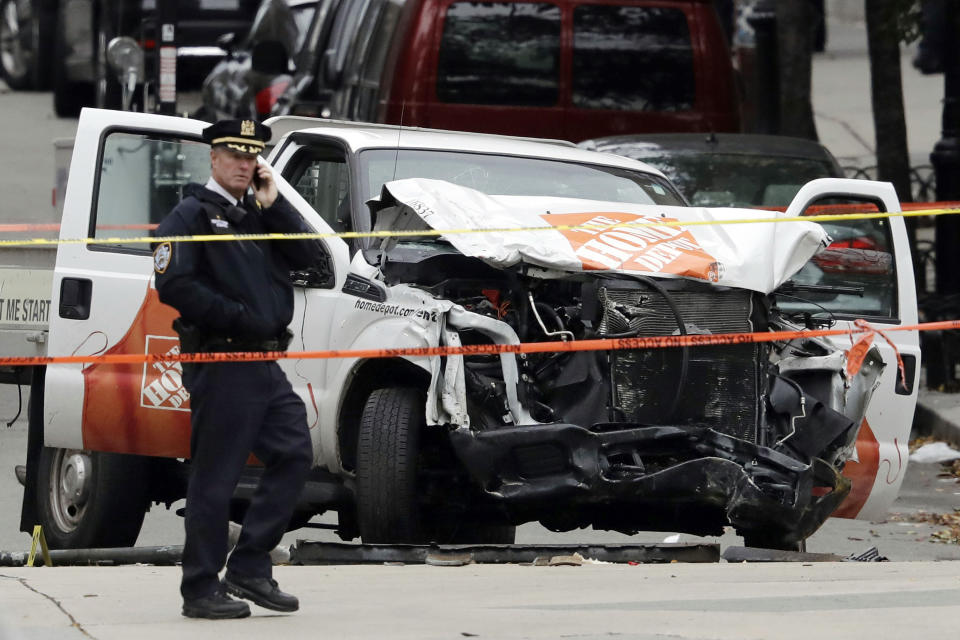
{"x":236,"y":296}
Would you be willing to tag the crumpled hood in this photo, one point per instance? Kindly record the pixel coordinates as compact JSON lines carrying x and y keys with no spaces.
{"x":756,"y":256}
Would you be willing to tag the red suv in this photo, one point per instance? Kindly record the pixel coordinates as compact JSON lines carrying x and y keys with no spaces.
{"x":570,"y":69}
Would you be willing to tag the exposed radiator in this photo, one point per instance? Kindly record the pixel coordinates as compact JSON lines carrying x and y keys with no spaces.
{"x":721,"y":389}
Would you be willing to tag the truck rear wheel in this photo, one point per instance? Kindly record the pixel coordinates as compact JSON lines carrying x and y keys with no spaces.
{"x":90,"y":499}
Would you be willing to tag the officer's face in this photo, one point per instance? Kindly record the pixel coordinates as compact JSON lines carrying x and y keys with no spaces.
{"x":233,"y":170}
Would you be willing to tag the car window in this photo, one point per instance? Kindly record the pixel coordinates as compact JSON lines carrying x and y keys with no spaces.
{"x":371,"y":67}
{"x":514,"y":176}
{"x":500,"y":53}
{"x":364,"y":67}
{"x":735,"y":180}
{"x":141,"y":180}
{"x":342,"y":34}
{"x":632,"y":58}
{"x":324,"y":183}
{"x":303,"y":17}
{"x":854,"y":277}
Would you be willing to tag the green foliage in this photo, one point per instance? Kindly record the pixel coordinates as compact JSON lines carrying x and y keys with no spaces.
{"x":904,"y":17}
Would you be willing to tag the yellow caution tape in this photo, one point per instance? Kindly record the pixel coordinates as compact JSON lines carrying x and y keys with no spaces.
{"x":349,"y":235}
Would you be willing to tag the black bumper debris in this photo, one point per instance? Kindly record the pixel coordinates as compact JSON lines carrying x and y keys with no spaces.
{"x":633,"y":478}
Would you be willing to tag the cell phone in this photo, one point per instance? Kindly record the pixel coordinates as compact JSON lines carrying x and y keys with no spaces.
{"x":257,"y":182}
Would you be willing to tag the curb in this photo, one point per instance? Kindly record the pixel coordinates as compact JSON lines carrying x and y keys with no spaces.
{"x":938,"y":414}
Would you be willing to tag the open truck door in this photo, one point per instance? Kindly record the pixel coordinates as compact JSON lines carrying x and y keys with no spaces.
{"x":865,"y":273}
{"x":104,"y":424}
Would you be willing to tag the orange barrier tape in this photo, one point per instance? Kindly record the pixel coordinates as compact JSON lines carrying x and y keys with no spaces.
{"x":605,"y":344}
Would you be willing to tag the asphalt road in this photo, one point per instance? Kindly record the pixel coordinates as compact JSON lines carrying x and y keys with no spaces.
{"x":26,"y":180}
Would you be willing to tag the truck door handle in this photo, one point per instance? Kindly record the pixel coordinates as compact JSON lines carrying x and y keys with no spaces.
{"x":75,"y":298}
{"x":910,"y":368}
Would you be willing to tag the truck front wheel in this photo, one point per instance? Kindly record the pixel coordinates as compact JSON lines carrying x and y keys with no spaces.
{"x":410,"y":488}
{"x":391,"y":426}
{"x":90,"y":499}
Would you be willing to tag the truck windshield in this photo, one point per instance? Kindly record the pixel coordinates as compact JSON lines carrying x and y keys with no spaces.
{"x":515,"y":176}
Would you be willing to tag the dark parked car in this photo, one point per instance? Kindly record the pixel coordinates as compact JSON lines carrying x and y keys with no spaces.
{"x":248,"y":82}
{"x":84,"y":28}
{"x":26,"y":27}
{"x":736,"y":170}
{"x":546,"y":68}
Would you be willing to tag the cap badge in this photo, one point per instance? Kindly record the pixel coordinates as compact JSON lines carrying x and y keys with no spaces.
{"x":247,"y":128}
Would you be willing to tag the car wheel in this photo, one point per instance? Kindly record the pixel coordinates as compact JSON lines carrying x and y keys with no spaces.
{"x":387,"y":449}
{"x":69,"y":97}
{"x":410,"y":486}
{"x":88,"y":500}
{"x":25,"y":29}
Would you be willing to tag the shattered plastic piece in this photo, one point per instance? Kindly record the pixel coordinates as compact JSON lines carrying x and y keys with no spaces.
{"x":448,"y":559}
{"x":574,"y":560}
{"x":934,"y":452}
{"x":870,"y":555}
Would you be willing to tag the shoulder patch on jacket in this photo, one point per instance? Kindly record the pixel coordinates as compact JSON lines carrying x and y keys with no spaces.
{"x":161,"y":257}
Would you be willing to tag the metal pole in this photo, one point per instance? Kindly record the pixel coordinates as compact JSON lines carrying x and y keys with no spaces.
{"x":946,"y":160}
{"x":766,"y":88}
{"x":167,"y":57}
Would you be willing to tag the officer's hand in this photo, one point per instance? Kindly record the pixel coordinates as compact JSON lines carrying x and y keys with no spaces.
{"x":264,"y":188}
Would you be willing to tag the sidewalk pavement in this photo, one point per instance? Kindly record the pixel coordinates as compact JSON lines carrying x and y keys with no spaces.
{"x":589,"y":602}
{"x":842,"y":104}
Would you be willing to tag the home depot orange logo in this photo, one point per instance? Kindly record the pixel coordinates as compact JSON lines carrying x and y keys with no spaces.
{"x":162,"y":386}
{"x":657,"y":248}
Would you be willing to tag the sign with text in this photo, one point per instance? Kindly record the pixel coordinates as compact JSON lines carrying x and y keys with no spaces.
{"x":25,"y":297}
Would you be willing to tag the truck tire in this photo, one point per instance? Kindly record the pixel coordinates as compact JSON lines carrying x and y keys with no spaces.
{"x":69,"y":97}
{"x":26,"y":28}
{"x":392,"y":473}
{"x":387,"y":449}
{"x":90,"y":499}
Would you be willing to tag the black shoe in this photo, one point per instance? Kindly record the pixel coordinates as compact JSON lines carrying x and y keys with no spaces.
{"x":261,"y":591}
{"x":217,"y":606}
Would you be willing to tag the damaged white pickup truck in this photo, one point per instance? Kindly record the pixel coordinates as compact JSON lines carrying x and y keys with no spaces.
{"x":770,"y":438}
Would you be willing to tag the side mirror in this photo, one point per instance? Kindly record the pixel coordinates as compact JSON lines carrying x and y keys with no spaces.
{"x":317,"y":277}
{"x":854,"y":262}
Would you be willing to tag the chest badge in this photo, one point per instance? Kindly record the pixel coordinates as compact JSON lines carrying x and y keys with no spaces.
{"x":161,"y":257}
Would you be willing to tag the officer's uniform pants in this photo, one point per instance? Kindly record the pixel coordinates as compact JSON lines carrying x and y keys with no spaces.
{"x":238,"y":408}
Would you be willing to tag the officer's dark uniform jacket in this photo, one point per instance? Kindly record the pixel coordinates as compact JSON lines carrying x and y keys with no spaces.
{"x":233,"y":289}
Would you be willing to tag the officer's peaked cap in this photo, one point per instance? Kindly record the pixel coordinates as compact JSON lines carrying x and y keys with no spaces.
{"x":245,"y":136}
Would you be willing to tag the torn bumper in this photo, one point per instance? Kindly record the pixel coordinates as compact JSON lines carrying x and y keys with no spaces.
{"x":633,"y":478}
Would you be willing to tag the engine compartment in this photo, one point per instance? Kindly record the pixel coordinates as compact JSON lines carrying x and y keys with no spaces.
{"x":726,"y":388}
